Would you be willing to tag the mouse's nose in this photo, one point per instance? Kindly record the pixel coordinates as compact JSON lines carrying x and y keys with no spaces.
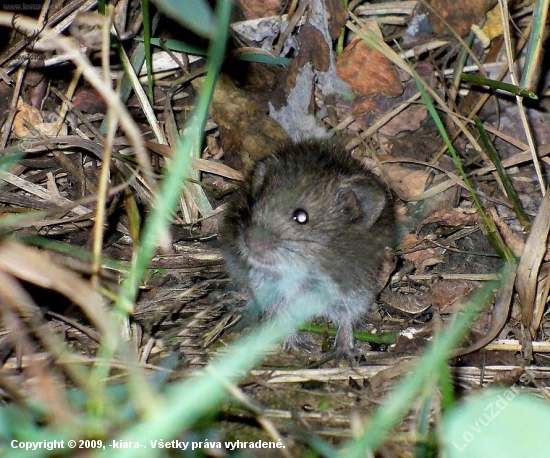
{"x":260,"y":240}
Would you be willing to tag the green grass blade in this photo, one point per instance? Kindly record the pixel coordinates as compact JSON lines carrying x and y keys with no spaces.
{"x":187,"y":402}
{"x":533,"y":59}
{"x":511,"y":88}
{"x":147,"y":43}
{"x":427,"y":370}
{"x":180,"y":167}
{"x":506,"y":182}
{"x":196,"y":15}
{"x":490,"y":229}
{"x":11,"y":156}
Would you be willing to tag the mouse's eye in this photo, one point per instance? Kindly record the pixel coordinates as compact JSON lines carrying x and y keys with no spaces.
{"x":300,"y":216}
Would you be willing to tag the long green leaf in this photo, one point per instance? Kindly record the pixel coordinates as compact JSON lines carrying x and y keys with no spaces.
{"x":196,"y":15}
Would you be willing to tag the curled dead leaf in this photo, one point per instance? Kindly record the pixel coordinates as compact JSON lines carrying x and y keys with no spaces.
{"x":27,"y":116}
{"x":368,"y":71}
{"x":406,"y":182}
{"x":411,"y":304}
{"x":446,"y":295}
{"x":421,"y":258}
{"x":453,"y":217}
{"x":531,"y":290}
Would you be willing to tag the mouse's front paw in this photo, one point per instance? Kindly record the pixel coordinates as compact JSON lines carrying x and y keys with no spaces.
{"x":345,"y":353}
{"x":299,"y":342}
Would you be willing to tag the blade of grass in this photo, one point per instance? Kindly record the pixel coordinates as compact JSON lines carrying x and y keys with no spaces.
{"x":245,"y":54}
{"x":187,"y":402}
{"x":425,"y":447}
{"x":508,"y":46}
{"x":71,"y":250}
{"x":534,"y":54}
{"x":180,"y":167}
{"x":136,"y":62}
{"x":446,"y":387}
{"x":158,"y":219}
{"x":506,"y":182}
{"x":426,"y":371}
{"x":490,"y":229}
{"x":511,"y":88}
{"x":342,"y":37}
{"x":461,"y":62}
{"x":10,"y":157}
{"x":196,"y":15}
{"x":147,"y":43}
{"x":386,"y":338}
{"x":133,"y":78}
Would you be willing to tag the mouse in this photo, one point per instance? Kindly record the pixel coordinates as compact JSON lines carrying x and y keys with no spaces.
{"x":310,"y":221}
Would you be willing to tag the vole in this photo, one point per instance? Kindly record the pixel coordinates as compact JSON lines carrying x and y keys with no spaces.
{"x":310,"y":221}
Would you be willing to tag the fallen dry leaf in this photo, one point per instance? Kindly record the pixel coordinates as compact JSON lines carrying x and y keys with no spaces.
{"x":406,"y":182}
{"x":367,"y":71}
{"x":26,"y":115}
{"x":490,"y":322}
{"x":30,"y":116}
{"x":411,"y":304}
{"x":408,"y":120}
{"x":424,"y":258}
{"x":421,"y":258}
{"x":247,"y":134}
{"x":254,"y":9}
{"x":447,"y":294}
{"x":89,"y":101}
{"x":532,"y":280}
{"x":453,"y":217}
{"x":493,"y":25}
{"x":458,"y":15}
{"x":405,"y":120}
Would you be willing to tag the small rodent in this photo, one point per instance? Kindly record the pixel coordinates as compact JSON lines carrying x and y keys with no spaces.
{"x":310,"y":219}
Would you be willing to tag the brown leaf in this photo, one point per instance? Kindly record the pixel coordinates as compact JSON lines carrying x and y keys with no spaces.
{"x":29,"y":116}
{"x":532,"y":277}
{"x":407,"y":182}
{"x":254,"y":9}
{"x":458,"y":15}
{"x":447,"y":294}
{"x":367,"y":71}
{"x":89,"y":101}
{"x":490,"y":322}
{"x":363,"y":106}
{"x":26,"y":115}
{"x":421,"y":258}
{"x":408,"y":120}
{"x":411,"y":304}
{"x":453,"y":217}
{"x":246,"y":132}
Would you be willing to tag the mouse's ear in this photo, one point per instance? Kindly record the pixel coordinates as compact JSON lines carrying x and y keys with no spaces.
{"x":361,"y":197}
{"x":257,"y":177}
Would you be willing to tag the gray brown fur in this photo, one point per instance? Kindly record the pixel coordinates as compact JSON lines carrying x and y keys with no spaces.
{"x":337,"y":255}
